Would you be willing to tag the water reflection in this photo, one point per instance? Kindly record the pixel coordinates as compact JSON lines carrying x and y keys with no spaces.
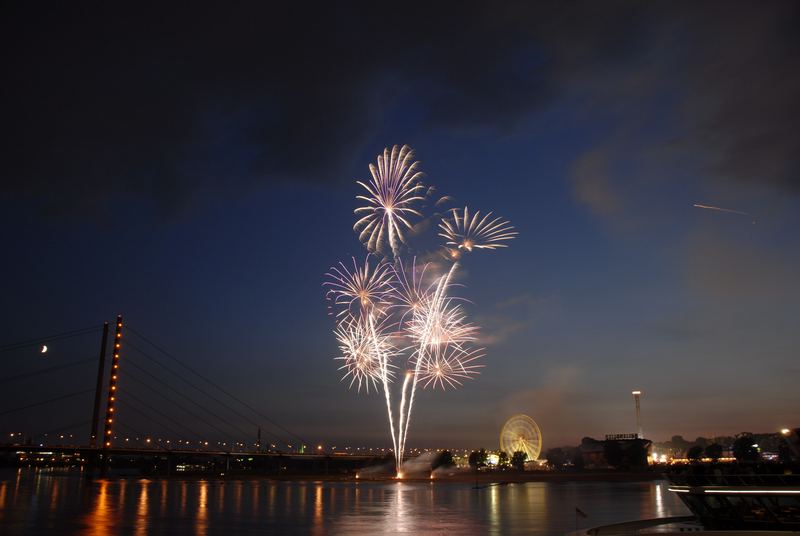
{"x":3,"y":486}
{"x":123,"y":484}
{"x":254,"y":500}
{"x":318,"y":504}
{"x":220,"y":497}
{"x":138,"y":506}
{"x":201,"y":520}
{"x":183,"y":498}
{"x":142,"y":518}
{"x":163,"y":497}
{"x":53,"y":502}
{"x":100,"y":517}
{"x":318,"y":526}
{"x":660,"y":512}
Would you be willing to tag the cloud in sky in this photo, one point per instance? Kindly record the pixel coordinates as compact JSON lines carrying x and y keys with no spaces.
{"x":166,"y":106}
{"x":593,"y":187}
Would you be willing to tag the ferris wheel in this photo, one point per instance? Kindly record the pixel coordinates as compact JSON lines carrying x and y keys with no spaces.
{"x":520,"y":432}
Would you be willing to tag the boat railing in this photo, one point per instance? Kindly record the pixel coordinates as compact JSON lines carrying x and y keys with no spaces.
{"x":742,"y":479}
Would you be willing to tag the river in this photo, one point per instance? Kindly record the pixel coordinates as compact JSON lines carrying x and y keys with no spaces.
{"x":47,"y":502}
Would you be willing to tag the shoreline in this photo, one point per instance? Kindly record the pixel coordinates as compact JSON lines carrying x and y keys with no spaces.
{"x":481,"y":479}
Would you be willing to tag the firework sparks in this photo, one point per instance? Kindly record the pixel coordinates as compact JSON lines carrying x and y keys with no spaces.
{"x":448,"y":366}
{"x":466,"y":232}
{"x":441,"y":322}
{"x":363,"y":357}
{"x":400,"y":312}
{"x":410,"y":293}
{"x":363,"y":290}
{"x":393,"y":190}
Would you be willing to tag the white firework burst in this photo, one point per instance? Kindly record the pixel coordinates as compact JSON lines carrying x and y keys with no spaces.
{"x":392,"y":316}
{"x":366,"y":289}
{"x":465,"y":231}
{"x":365,"y":355}
{"x":410,"y":292}
{"x":449,"y":366}
{"x":392,"y":191}
{"x":440,"y":322}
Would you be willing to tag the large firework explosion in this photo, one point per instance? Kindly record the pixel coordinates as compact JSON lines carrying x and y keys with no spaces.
{"x":398,"y":319}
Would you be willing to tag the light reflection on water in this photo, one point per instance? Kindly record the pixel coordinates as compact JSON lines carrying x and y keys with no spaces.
{"x":39,"y":502}
{"x":141,"y":513}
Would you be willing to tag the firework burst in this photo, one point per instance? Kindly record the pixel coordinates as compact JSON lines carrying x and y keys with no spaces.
{"x":364,"y":357}
{"x":410,"y":292}
{"x":448,"y":366}
{"x":392,"y":192}
{"x":366,"y":289}
{"x":441,"y":322}
{"x":394,"y":315}
{"x":466,"y":232}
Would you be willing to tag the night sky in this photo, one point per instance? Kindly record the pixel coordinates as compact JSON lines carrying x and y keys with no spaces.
{"x":193,"y":168}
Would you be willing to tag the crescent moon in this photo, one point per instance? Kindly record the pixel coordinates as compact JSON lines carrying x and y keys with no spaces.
{"x":44,"y":348}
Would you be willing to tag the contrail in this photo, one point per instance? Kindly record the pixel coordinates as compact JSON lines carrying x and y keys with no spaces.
{"x":728,"y":210}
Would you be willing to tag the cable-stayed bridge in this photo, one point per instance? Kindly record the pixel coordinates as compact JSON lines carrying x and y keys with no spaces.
{"x":129,"y":398}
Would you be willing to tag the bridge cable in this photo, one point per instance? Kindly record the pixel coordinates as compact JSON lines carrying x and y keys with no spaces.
{"x":137,"y":432}
{"x":159,"y":412}
{"x":56,"y":399}
{"x":63,"y":428}
{"x":240,"y":401}
{"x":49,"y":338}
{"x":200,"y":389}
{"x":171,"y":401}
{"x":48,"y":369}
{"x":130,"y":405}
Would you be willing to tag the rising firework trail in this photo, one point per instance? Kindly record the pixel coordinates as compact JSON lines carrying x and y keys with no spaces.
{"x":392,"y":315}
{"x":362,"y":294}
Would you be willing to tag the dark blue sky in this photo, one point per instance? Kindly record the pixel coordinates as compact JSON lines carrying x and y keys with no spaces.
{"x":195,"y":171}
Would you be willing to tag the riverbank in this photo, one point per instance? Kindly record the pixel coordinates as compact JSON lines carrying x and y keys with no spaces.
{"x":370,"y":475}
{"x":484,"y":478}
{"x":481,"y":479}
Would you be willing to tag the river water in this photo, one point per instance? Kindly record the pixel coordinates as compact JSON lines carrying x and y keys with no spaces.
{"x":45,"y":502}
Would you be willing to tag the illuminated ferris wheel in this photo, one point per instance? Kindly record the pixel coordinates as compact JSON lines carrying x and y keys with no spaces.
{"x":521,"y":433}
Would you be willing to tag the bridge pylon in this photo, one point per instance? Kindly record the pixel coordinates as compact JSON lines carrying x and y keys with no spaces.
{"x":112,"y":385}
{"x":99,"y":387}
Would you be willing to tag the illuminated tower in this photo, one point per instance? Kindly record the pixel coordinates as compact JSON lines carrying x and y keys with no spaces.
{"x":636,"y":394}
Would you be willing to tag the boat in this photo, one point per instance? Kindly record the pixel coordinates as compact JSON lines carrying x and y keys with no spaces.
{"x":756,"y":497}
{"x":725,"y":499}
